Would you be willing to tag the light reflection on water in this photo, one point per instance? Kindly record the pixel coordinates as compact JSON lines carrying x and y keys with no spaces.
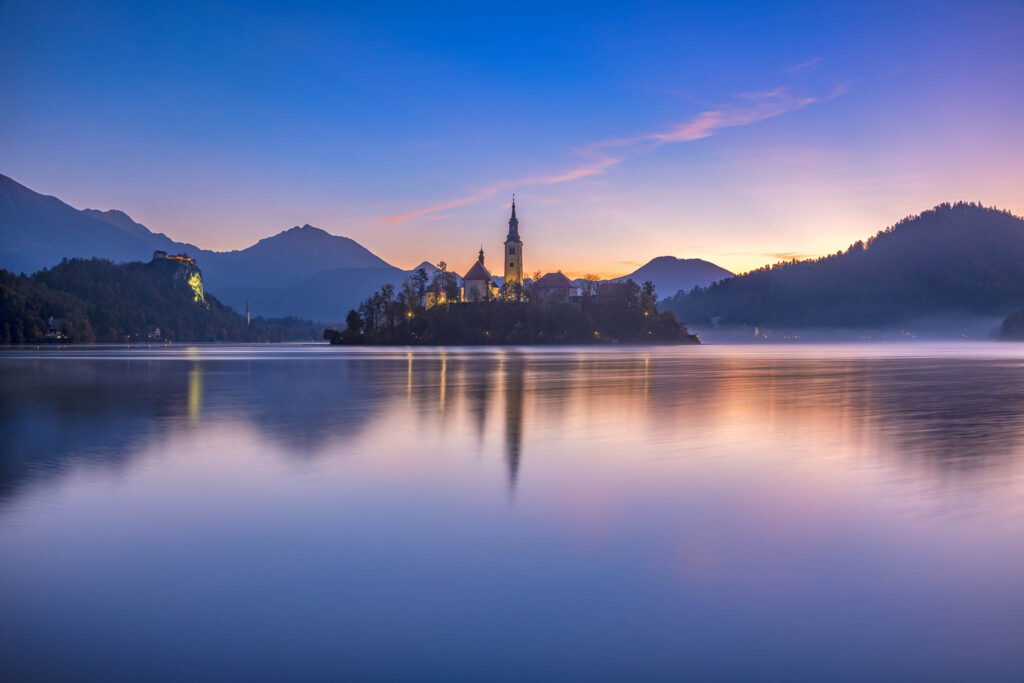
{"x":268,"y":512}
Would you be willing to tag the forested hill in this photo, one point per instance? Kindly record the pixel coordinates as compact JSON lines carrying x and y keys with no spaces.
{"x":96,"y":300}
{"x":956,"y":258}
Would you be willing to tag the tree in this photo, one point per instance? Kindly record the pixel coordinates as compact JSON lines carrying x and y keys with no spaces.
{"x":450,"y":284}
{"x":648,"y":298}
{"x":419,"y":280}
{"x":354,"y":322}
{"x":511,"y":291}
{"x":368,"y":313}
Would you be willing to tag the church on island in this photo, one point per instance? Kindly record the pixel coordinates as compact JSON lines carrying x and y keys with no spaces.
{"x":484,"y":308}
{"x":478,"y":284}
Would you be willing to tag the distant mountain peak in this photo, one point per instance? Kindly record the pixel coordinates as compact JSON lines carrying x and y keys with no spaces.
{"x":429,"y":267}
{"x":306,"y":234}
{"x":669,"y":260}
{"x":118,"y":218}
{"x":306,"y":230}
{"x":110,"y":214}
{"x":671,"y":274}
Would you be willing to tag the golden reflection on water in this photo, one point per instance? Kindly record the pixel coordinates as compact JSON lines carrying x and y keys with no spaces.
{"x":195,"y":394}
{"x":924,"y":414}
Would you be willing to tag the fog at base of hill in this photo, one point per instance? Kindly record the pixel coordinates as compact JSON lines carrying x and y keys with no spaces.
{"x":945,"y":327}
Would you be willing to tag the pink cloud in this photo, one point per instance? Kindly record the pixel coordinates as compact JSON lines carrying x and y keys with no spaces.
{"x":595,"y":168}
{"x":765,"y":105}
{"x":483,"y":194}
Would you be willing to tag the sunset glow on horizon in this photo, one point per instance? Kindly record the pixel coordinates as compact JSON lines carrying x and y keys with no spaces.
{"x":739,"y":135}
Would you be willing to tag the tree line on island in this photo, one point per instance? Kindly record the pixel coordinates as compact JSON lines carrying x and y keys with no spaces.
{"x":514,"y":314}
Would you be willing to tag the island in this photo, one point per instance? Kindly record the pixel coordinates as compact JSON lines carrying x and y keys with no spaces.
{"x":480,"y":308}
{"x":610,"y":312}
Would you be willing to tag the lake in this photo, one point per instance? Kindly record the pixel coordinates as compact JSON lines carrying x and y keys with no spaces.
{"x":301,"y":512}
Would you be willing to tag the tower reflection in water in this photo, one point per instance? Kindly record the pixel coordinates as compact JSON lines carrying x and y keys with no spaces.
{"x":955,"y":417}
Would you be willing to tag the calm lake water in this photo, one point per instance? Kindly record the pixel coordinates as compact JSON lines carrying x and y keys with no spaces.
{"x":302,"y":512}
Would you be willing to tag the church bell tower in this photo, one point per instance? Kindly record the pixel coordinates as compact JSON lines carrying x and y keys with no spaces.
{"x":513,"y":251}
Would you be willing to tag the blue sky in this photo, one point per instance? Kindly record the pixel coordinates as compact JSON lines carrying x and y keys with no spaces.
{"x":740,"y":133}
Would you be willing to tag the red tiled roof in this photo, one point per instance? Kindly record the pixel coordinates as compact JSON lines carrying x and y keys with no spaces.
{"x":477,"y":272}
{"x":553,"y":281}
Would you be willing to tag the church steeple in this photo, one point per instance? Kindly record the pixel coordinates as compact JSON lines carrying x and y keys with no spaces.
{"x":513,"y":224}
{"x":514,"y":255}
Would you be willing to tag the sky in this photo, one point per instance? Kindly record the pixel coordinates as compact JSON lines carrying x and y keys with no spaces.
{"x":740,"y":133}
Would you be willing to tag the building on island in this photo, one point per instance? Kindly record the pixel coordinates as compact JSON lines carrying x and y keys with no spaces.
{"x":477,"y":284}
{"x":435,"y":294}
{"x":55,"y":329}
{"x":555,"y":288}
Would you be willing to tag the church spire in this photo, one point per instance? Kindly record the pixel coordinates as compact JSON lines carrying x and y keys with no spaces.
{"x":513,"y":224}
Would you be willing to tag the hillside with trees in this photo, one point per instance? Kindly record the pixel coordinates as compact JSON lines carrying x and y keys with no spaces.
{"x":959,"y":258}
{"x":94,"y":300}
{"x":1012,"y":327}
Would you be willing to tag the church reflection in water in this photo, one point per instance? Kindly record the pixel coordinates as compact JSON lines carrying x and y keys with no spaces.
{"x":958,"y":416}
{"x":513,"y":382}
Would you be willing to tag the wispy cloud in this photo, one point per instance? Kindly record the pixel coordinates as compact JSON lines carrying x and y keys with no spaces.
{"x":594,"y":168}
{"x":597,"y":157}
{"x":802,"y":66}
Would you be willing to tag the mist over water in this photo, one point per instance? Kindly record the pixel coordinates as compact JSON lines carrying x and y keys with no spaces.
{"x":847,"y":511}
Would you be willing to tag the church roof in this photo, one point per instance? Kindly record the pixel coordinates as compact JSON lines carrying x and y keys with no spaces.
{"x":553,"y":281}
{"x":477,"y":272}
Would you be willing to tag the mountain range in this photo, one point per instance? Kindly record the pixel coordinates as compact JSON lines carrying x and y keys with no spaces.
{"x":303,"y":271}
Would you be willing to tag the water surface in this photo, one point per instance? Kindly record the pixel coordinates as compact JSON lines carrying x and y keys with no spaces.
{"x":296,"y":512}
